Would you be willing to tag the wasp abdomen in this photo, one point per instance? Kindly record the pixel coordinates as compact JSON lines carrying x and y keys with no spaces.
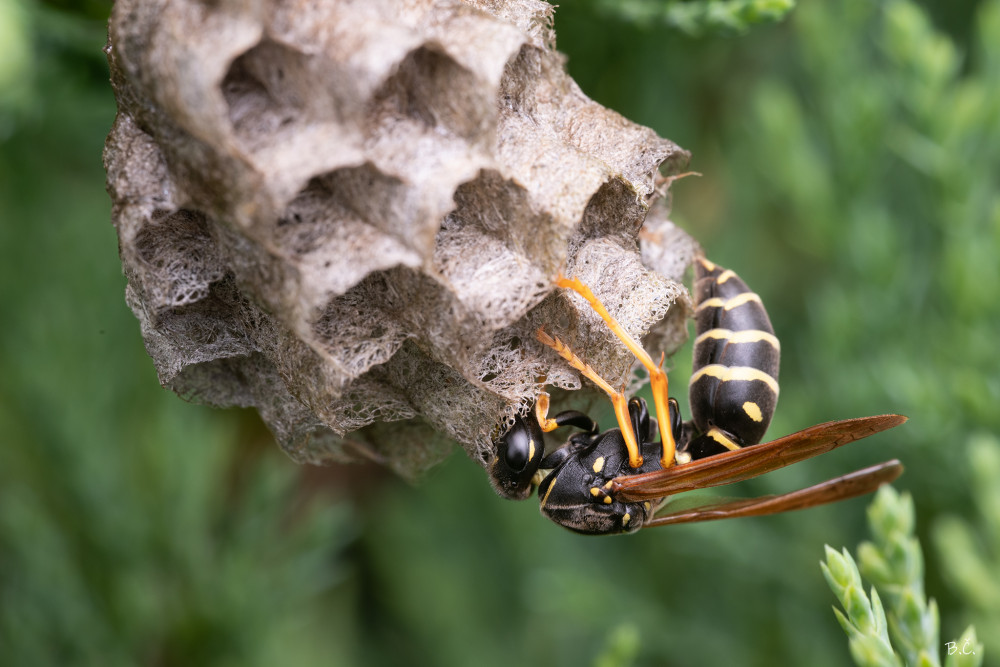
{"x":734,"y":386}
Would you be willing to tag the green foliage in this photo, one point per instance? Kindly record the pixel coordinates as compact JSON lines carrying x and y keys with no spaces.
{"x":15,"y":59}
{"x":700,"y":17}
{"x":894,"y":564}
{"x":134,"y":529}
{"x":896,"y":145}
{"x":865,"y":623}
{"x":970,"y":552}
{"x":850,"y":167}
{"x":621,"y":647}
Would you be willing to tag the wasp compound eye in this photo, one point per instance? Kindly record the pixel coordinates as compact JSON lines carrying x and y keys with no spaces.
{"x":519,"y":452}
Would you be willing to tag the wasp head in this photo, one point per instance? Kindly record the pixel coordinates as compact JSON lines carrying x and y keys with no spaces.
{"x":518,"y":455}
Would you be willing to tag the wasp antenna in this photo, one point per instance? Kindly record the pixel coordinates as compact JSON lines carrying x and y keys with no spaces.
{"x":667,"y":180}
{"x":677,"y":177}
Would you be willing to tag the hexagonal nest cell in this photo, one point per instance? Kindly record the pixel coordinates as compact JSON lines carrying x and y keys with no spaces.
{"x":348,"y":215}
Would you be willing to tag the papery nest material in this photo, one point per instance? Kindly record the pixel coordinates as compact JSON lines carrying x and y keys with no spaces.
{"x":348,"y":215}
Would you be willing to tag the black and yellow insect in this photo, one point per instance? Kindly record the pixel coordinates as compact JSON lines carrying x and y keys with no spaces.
{"x":616,"y":481}
{"x":734,"y":387}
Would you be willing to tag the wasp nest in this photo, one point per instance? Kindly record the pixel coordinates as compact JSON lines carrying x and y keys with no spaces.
{"x":348,"y":214}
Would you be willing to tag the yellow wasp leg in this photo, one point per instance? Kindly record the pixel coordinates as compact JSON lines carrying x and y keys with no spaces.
{"x":542,"y":413}
{"x":617,"y":397}
{"x":657,"y":378}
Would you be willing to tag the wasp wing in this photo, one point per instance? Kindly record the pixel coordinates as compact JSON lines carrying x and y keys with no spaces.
{"x":854,"y":484}
{"x":749,"y":462}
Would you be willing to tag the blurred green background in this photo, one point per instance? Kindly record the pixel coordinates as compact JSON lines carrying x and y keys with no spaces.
{"x":851,"y":161}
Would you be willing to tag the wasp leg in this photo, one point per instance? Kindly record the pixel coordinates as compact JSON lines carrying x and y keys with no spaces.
{"x":657,"y":378}
{"x":564,"y":418}
{"x":618,"y":399}
{"x":542,"y":413}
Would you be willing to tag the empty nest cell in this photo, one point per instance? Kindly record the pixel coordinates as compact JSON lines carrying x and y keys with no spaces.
{"x":177,"y":258}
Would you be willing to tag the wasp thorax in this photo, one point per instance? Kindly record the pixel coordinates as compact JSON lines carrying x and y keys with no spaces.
{"x":577,"y":494}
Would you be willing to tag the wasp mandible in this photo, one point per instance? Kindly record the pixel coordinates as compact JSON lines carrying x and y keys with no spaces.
{"x":617,"y":481}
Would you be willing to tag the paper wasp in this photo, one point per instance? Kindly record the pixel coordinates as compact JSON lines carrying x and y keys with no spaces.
{"x":616,"y":481}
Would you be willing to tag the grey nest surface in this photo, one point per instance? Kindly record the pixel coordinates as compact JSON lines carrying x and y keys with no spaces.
{"x":348,"y":215}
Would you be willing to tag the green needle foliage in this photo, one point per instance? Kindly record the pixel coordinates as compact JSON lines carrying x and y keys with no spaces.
{"x":134,"y":529}
{"x":700,"y":17}
{"x":865,"y":623}
{"x":620,"y":648}
{"x":970,"y":552}
{"x":893,"y":562}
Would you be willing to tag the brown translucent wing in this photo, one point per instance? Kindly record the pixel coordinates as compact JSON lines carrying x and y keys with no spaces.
{"x":749,"y":462}
{"x":854,"y":484}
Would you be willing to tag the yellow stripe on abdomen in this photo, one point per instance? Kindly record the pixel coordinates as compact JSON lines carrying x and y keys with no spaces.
{"x":726,"y":275}
{"x":730,"y":303}
{"x":746,"y":336}
{"x":709,"y":266}
{"x":740,"y":373}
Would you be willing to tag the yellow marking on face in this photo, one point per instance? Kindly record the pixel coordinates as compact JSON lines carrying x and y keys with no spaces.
{"x":729,"y":304}
{"x":594,"y":491}
{"x":607,"y":500}
{"x":745,"y":336}
{"x":545,"y":498}
{"x":720,"y":437}
{"x":753,"y":411}
{"x":709,"y":266}
{"x":725,"y":275}
{"x":744,"y":373}
{"x":607,"y":484}
{"x":531,"y":449}
{"x":599,"y":464}
{"x":626,"y":519}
